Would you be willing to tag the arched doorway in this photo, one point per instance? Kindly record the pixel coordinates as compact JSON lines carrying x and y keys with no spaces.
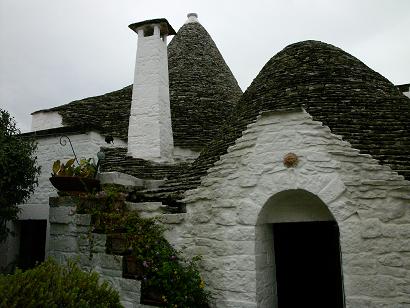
{"x":304,"y":249}
{"x":308,"y":267}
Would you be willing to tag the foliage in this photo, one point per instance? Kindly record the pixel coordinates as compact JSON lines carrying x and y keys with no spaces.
{"x":179,"y":281}
{"x":85,"y":169}
{"x":52,"y":285}
{"x":164,"y":268}
{"x":18,"y":170}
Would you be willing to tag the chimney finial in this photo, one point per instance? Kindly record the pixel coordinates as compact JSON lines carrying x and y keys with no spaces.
{"x":192,"y":17}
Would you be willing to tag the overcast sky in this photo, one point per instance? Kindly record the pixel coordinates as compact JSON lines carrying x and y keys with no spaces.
{"x":56,"y":51}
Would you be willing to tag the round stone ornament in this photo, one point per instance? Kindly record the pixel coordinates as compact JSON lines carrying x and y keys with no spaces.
{"x":290,"y":160}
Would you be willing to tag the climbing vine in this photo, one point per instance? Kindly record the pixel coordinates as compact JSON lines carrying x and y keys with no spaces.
{"x":163,"y":270}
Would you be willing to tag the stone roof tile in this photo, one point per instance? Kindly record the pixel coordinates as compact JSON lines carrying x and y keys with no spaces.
{"x":335,"y":88}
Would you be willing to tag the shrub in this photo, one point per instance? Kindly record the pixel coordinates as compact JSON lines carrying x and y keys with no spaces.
{"x":18,"y":170}
{"x":53,"y":285}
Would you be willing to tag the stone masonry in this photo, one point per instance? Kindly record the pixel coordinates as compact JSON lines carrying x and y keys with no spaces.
{"x":71,"y":238}
{"x":224,"y":220}
{"x":370,"y":203}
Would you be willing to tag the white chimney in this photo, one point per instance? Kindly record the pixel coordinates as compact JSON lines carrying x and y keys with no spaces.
{"x":150,"y":131}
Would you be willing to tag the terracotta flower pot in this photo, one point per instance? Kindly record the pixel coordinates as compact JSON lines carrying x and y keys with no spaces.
{"x":75,"y":184}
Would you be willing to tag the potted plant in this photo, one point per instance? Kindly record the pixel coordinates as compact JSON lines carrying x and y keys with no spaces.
{"x":75,"y":178}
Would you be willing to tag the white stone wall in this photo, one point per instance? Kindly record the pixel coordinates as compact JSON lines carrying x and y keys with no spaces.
{"x":370,"y":203}
{"x":49,"y":149}
{"x":150,"y":131}
{"x":45,"y":120}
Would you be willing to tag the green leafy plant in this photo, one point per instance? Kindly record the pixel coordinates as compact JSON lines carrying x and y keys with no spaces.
{"x":52,"y":285}
{"x":18,"y":170}
{"x":164,"y":269}
{"x":86,"y":168}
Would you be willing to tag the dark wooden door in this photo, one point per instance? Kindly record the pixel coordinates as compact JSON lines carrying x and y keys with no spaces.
{"x":308,"y":267}
{"x":32,"y":243}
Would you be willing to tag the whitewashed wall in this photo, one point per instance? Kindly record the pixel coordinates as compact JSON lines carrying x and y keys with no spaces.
{"x":45,"y":120}
{"x":49,"y":149}
{"x":369,"y":202}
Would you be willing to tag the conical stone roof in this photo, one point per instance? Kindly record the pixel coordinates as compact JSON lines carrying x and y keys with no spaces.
{"x":203,"y":92}
{"x":333,"y":87}
{"x":203,"y":89}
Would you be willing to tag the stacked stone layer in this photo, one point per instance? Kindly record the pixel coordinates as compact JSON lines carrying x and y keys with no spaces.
{"x":71,"y":238}
{"x":109,"y":113}
{"x":116,"y":159}
{"x":203,"y":90}
{"x":335,"y":88}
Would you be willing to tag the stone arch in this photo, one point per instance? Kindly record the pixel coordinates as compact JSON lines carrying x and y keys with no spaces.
{"x":293,"y":207}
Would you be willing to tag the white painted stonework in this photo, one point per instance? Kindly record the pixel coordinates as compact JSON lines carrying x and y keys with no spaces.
{"x":150,"y":131}
{"x":49,"y":149}
{"x":229,"y":217}
{"x":45,"y":120}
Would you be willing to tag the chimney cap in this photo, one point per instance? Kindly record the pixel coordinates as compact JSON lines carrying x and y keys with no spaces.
{"x":164,"y":25}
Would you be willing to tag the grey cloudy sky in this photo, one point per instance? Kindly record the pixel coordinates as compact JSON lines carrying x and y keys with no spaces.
{"x":56,"y":51}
